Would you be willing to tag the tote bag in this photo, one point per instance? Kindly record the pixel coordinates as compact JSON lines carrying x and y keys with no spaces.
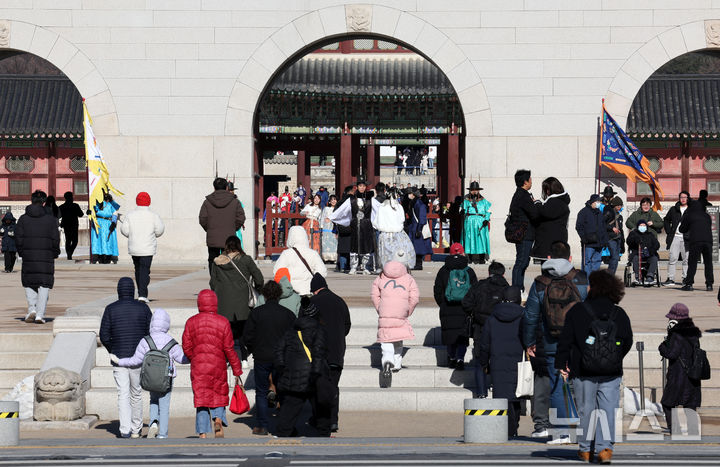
{"x":239,"y":403}
{"x":525,"y":379}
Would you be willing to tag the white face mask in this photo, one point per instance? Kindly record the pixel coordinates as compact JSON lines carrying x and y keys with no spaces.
{"x":642,"y":229}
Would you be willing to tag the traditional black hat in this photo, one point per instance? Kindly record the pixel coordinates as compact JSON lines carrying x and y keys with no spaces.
{"x":474,"y":186}
{"x":361,"y":180}
{"x":608,"y":191}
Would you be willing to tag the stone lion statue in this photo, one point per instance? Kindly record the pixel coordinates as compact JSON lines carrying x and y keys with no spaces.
{"x":58,"y":395}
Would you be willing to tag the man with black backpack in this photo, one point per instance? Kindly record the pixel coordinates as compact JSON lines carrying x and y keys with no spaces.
{"x":596,"y":337}
{"x":452,"y":283}
{"x":552,"y":294}
{"x":478,"y":305}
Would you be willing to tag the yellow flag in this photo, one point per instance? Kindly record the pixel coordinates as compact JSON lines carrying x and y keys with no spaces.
{"x":98,"y":175}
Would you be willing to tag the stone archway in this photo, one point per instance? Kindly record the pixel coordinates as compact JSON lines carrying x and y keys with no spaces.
{"x":26,"y":37}
{"x":651,"y":56}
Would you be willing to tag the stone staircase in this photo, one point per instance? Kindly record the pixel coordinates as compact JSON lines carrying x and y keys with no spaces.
{"x":421,"y":386}
{"x":21,"y":355}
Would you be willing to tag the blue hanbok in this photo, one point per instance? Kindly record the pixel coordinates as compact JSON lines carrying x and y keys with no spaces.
{"x":104,"y":240}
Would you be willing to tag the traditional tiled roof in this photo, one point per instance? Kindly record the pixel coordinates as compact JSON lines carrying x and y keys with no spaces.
{"x":39,"y":107}
{"x":674,"y":106}
{"x":363,"y":77}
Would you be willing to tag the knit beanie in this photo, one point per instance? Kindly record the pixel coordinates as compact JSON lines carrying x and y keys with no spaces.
{"x":282,"y":272}
{"x":318,"y":282}
{"x":307,"y":308}
{"x":457,"y":249}
{"x":142,"y":199}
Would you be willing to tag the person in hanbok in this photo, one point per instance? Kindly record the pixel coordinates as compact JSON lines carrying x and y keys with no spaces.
{"x":329,"y":237}
{"x":103,"y":237}
{"x":388,"y":219}
{"x":312,"y":212}
{"x":418,"y":220}
{"x":476,"y":226}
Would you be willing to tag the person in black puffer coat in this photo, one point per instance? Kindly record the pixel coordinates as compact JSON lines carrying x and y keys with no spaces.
{"x":37,"y":239}
{"x":697,"y":224}
{"x":124,"y":323}
{"x":298,"y":372}
{"x":266,"y":325}
{"x":453,"y":319}
{"x":682,"y":336}
{"x":501,"y":349}
{"x":552,"y":221}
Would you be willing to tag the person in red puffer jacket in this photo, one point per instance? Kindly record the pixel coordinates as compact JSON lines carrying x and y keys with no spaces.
{"x":208,"y":343}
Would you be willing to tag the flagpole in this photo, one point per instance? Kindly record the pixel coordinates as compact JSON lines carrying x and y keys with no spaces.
{"x":598,"y":145}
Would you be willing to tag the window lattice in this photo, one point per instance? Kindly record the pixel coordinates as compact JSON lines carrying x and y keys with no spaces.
{"x":654,"y":163}
{"x":78,"y":164}
{"x":363,"y":44}
{"x":19,"y":164}
{"x":384,"y":45}
{"x":19,"y":187}
{"x":643,"y":189}
{"x":712,"y":164}
{"x":80,"y":187}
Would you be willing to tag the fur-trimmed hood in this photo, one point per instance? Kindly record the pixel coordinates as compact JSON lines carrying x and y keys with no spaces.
{"x":686,"y":328}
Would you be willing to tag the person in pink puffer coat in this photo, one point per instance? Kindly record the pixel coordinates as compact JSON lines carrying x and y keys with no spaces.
{"x":395,"y":295}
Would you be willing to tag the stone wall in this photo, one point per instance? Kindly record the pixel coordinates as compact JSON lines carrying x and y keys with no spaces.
{"x":172,"y":85}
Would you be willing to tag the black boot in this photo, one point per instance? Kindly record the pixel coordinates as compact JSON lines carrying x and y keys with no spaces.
{"x":418,"y":263}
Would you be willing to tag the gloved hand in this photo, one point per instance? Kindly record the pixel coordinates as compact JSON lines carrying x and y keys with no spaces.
{"x":114,"y":358}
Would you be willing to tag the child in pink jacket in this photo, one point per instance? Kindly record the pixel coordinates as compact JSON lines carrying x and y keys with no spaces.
{"x":395,"y":295}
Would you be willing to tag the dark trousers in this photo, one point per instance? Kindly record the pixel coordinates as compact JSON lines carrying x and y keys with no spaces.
{"x":614,"y":247}
{"x":10,"y":257}
{"x":213,"y":252}
{"x":522,"y":261}
{"x":698,"y":249}
{"x":513,"y":417}
{"x":291,"y":405}
{"x":335,"y":373}
{"x":142,"y":274}
{"x":263,"y":370}
{"x":237,"y":327}
{"x":71,"y":240}
{"x":668,"y":416}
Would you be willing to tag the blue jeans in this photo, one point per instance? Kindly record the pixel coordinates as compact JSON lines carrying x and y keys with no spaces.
{"x":602,"y":394}
{"x":262,"y":385}
{"x":160,"y":410}
{"x":204,"y":417}
{"x":557,"y":400}
{"x":614,"y":247}
{"x":592,"y":259}
{"x":522,"y":261}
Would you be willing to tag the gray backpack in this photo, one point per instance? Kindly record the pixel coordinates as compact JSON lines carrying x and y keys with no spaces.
{"x":156,"y":371}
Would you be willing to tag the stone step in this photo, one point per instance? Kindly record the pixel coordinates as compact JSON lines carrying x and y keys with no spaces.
{"x":25,"y":341}
{"x":9,"y":378}
{"x":352,"y":377}
{"x":21,"y":360}
{"x":653,"y":378}
{"x":368,"y":356}
{"x":103,"y":402}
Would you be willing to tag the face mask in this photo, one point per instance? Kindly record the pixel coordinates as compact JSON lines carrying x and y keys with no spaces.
{"x":642,"y":229}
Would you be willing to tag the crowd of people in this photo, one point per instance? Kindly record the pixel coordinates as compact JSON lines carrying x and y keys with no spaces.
{"x":570,"y":326}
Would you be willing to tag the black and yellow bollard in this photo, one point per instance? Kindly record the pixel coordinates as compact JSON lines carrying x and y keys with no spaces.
{"x":485,"y":420}
{"x":9,"y":423}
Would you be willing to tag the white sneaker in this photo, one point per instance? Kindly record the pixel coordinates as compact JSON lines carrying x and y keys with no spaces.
{"x":39,"y":320}
{"x":540,"y":434}
{"x":153,"y":430}
{"x":30,"y":317}
{"x":352,"y":271}
{"x":564,"y":439}
{"x":143,"y":299}
{"x":135,"y":435}
{"x":366,"y":272}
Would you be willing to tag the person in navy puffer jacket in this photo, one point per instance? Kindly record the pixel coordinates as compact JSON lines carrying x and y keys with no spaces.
{"x":124,"y":323}
{"x":159,"y":401}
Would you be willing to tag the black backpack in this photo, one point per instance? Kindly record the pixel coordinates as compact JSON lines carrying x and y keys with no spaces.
{"x":699,"y":368}
{"x":601,"y":353}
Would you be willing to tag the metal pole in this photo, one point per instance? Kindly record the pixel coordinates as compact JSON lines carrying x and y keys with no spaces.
{"x":640,"y":346}
{"x":664,"y":373}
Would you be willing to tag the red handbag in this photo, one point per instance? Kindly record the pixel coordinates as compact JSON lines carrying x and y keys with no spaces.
{"x":239,"y":403}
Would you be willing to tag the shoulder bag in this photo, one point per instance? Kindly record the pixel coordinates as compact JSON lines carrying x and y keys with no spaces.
{"x":425,"y":228}
{"x":253,"y":297}
{"x":303,"y":261}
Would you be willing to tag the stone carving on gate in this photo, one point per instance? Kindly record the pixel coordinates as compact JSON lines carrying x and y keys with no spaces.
{"x":712,"y":33}
{"x":358,"y":17}
{"x":59,"y":395}
{"x":4,"y":33}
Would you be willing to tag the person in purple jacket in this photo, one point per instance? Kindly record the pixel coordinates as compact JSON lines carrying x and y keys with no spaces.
{"x":159,"y":402}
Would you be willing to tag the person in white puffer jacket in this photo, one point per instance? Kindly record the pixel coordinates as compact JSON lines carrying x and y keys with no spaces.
{"x":301,"y":260}
{"x":142,"y":227}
